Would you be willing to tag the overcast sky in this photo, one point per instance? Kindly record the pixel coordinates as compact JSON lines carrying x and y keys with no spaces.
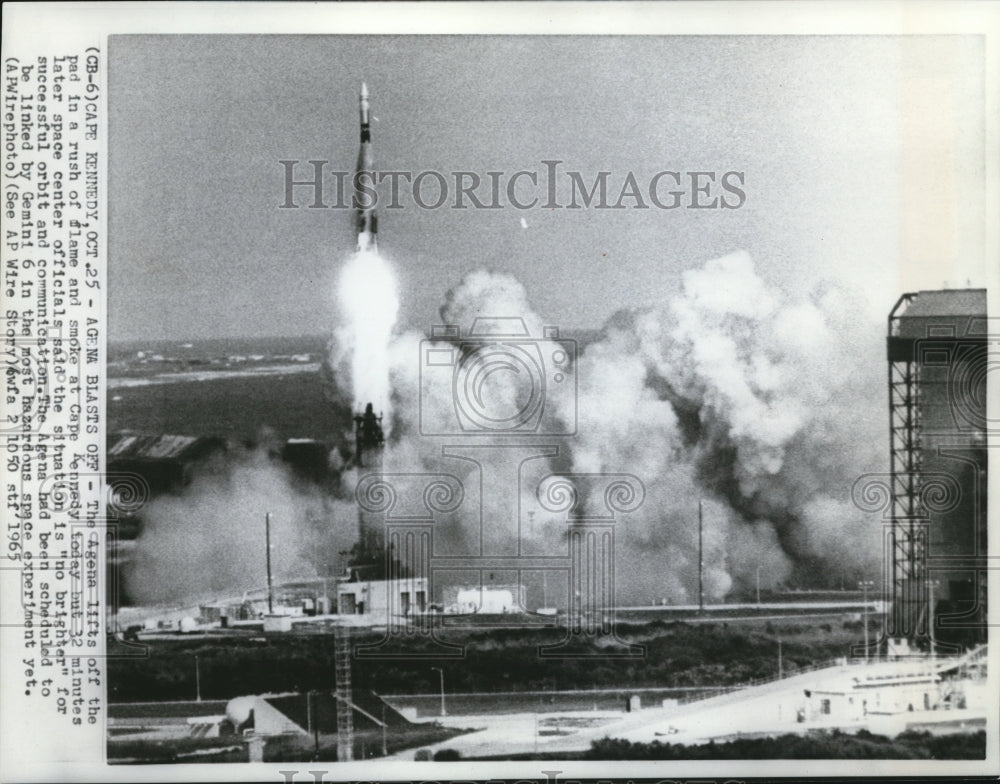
{"x":862,"y":161}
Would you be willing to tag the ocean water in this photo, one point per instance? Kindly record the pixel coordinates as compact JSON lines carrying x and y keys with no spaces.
{"x":239,"y":389}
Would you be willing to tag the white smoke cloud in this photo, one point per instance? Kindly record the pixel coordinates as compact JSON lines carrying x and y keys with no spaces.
{"x":210,"y":540}
{"x":489,"y":294}
{"x":757,"y":403}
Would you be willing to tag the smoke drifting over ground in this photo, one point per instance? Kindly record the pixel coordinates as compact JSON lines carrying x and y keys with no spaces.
{"x":210,"y":541}
{"x":767,"y":408}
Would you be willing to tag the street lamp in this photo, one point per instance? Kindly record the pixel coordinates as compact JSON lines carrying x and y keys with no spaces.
{"x":312,"y":723}
{"x":701,"y":561}
{"x":440,"y":672}
{"x":931,"y":585}
{"x":864,"y":585}
{"x":267,"y":543}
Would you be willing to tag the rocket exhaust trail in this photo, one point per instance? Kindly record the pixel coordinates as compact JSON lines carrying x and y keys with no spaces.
{"x":365,"y":219}
{"x":367,"y":293}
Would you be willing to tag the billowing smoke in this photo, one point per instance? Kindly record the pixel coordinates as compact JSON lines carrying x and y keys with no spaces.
{"x":210,"y":540}
{"x":763,"y":407}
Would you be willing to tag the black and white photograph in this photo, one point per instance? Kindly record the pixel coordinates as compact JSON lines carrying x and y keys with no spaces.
{"x":529,"y":398}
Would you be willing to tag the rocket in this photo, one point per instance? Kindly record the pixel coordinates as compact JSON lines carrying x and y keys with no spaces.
{"x":365,"y":219}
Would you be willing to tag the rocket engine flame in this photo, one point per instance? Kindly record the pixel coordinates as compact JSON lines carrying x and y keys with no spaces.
{"x":369,"y":305}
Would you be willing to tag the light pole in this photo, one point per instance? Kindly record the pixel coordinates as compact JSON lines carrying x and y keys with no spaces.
{"x":931,"y":585}
{"x":197,"y":679}
{"x":315,"y":731}
{"x":864,"y":585}
{"x":326,"y":590}
{"x":440,"y":672}
{"x":267,"y":538}
{"x":309,"y":712}
{"x":701,"y":562}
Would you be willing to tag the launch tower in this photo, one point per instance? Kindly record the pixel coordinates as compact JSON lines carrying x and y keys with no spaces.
{"x":939,"y":353}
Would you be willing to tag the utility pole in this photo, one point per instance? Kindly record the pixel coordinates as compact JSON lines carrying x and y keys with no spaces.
{"x":758,"y":585}
{"x":309,"y":712}
{"x":314,"y":719}
{"x":440,"y":672}
{"x":701,"y":561}
{"x":267,"y":537}
{"x":197,"y":679}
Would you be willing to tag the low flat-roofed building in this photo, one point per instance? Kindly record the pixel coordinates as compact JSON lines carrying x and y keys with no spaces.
{"x":491,"y":599}
{"x":402,"y":596}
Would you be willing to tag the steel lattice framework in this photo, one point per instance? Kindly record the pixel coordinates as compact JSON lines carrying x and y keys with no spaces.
{"x":909,"y":530}
{"x":345,"y":707}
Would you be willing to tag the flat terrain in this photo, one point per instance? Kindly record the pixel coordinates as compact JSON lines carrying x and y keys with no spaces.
{"x":674,"y":655}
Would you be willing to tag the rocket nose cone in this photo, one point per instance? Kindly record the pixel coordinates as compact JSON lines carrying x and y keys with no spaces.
{"x":364,"y":90}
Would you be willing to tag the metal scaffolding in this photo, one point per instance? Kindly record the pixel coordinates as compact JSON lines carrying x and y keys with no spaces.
{"x":909,"y":532}
{"x":345,"y":709}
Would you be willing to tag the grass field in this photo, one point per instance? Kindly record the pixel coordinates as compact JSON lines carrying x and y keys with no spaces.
{"x":675,"y":655}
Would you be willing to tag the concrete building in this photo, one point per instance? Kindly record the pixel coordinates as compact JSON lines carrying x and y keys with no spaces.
{"x":939,"y":346}
{"x":885,"y":698}
{"x":382,"y":598}
{"x":942,"y":695}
